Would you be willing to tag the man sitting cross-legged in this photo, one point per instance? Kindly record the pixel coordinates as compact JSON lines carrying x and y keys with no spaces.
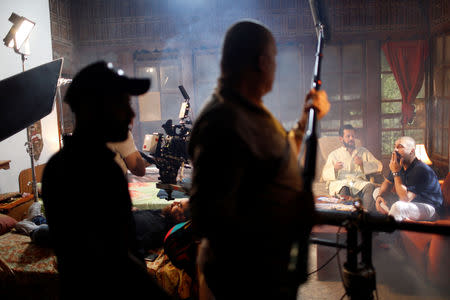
{"x":346,"y":169}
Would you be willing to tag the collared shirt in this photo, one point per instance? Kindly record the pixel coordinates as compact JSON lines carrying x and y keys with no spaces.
{"x":421,"y":180}
{"x":351,"y":175}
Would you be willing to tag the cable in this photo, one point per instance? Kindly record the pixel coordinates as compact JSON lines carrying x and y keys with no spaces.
{"x":331,"y":258}
{"x":345,"y":294}
{"x":326,"y":263}
{"x":339,"y":260}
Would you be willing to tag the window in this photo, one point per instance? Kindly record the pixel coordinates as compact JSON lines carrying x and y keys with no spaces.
{"x":206,"y":73}
{"x":343,"y":77}
{"x":284,"y":101}
{"x":163,"y":100}
{"x":441,"y":97}
{"x":391,"y":112}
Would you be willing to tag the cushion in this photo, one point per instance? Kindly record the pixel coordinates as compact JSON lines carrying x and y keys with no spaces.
{"x":180,"y":246}
{"x":6,"y":223}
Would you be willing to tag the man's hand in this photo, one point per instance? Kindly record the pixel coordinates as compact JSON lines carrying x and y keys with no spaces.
{"x":319,"y":102}
{"x":395,"y":165}
{"x":322,"y":106}
{"x":358,"y":160}
{"x":338,"y":165}
{"x":381,"y":206}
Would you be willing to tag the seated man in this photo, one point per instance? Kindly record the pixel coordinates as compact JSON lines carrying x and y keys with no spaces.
{"x":128,"y":157}
{"x":417,"y":194}
{"x":346,"y":169}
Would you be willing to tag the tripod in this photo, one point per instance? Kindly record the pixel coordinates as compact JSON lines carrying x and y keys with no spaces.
{"x":359,"y":277}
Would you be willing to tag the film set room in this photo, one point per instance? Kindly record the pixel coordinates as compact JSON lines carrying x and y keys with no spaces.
{"x":324,"y":125}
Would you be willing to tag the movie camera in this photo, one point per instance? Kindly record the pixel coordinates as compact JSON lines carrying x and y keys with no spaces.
{"x":169,"y":152}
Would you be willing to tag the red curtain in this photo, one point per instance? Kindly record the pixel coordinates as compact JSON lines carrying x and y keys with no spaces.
{"x":407,"y":62}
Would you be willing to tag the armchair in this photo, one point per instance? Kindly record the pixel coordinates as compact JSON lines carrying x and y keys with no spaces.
{"x":325,"y":146}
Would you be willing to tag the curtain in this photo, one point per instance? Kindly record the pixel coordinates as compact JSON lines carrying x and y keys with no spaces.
{"x":407,"y":62}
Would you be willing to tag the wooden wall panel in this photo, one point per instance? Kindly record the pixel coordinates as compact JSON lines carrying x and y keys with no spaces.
{"x":439,"y":15}
{"x":112,"y":22}
{"x":62,"y":37}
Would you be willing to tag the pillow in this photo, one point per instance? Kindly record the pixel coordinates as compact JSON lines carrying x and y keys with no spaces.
{"x":6,"y":223}
{"x":180,"y":247}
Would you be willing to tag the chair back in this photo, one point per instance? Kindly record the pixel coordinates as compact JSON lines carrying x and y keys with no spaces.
{"x":326,"y":145}
{"x":26,"y":178}
{"x":446,"y":195}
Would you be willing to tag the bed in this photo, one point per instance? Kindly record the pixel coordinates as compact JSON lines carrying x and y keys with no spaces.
{"x":28,"y":271}
{"x":144,"y":193}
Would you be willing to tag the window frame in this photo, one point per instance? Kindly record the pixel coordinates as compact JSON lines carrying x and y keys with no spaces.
{"x":340,"y":73}
{"x":440,"y":99}
{"x":403,"y":129}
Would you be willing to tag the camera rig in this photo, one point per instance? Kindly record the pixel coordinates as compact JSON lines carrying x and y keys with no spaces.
{"x":169,"y":152}
{"x":359,"y":276}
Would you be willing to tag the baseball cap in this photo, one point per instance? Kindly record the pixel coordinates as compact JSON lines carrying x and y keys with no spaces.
{"x":101,"y":78}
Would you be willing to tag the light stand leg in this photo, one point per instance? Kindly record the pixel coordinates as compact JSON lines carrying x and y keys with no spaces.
{"x":30,"y":151}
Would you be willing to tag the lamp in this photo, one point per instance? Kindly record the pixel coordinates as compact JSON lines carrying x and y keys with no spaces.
{"x":421,"y":154}
{"x":17,"y":36}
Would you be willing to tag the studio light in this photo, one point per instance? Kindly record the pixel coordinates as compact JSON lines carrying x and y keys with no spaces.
{"x":17,"y":37}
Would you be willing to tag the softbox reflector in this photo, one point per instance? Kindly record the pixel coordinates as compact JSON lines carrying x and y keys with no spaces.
{"x":27,"y":97}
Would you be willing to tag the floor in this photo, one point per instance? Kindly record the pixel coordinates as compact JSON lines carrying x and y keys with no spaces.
{"x":396,"y":280}
{"x":390,"y":268}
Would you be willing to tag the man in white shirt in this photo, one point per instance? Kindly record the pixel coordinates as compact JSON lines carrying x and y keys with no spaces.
{"x":346,"y":169}
{"x":128,"y":157}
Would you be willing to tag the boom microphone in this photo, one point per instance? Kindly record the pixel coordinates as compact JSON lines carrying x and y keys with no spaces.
{"x":320,"y":18}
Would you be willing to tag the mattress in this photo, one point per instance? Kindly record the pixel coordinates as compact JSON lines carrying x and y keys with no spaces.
{"x":144,"y":195}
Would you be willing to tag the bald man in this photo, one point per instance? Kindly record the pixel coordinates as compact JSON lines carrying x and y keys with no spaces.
{"x":249,"y":210}
{"x":417,"y":194}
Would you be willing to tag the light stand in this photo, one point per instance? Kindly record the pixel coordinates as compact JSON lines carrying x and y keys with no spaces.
{"x":17,"y":38}
{"x":30,"y":147}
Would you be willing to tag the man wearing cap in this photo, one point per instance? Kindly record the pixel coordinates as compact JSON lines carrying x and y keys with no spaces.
{"x":85,"y":193}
